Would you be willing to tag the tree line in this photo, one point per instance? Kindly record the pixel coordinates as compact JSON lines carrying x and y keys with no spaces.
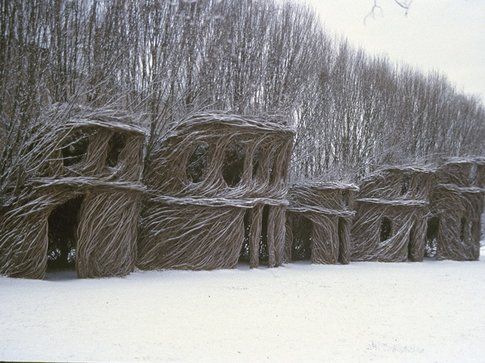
{"x":168,"y":59}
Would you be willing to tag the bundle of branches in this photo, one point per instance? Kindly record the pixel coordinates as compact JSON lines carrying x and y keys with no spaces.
{"x":72,"y":166}
{"x":392,"y":206}
{"x":318,"y":222}
{"x":202,"y":177}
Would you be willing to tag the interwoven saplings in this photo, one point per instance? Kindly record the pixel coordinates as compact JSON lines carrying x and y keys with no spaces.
{"x":318,"y":222}
{"x":71,"y":194}
{"x":216,"y":181}
{"x":457,"y":205}
{"x":391,"y":220}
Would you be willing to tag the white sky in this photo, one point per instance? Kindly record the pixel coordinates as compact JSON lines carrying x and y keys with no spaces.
{"x":443,"y":35}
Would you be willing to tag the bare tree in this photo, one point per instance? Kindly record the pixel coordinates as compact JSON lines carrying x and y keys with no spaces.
{"x":167,"y":59}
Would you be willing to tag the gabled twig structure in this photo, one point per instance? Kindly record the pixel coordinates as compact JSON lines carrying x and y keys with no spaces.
{"x":392,"y":206}
{"x":212,"y":178}
{"x":71,"y":191}
{"x":318,"y":222}
{"x":457,"y":205}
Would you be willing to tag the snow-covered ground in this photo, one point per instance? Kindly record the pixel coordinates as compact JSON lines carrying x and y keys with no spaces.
{"x":430,"y":311}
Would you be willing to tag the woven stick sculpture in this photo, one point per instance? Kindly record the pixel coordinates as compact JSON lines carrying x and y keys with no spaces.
{"x":327,"y":208}
{"x":392,"y":208}
{"x":203,"y":178}
{"x":88,"y":163}
{"x":457,"y":203}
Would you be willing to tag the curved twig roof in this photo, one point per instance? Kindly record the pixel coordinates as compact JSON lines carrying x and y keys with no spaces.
{"x":261,"y":148}
{"x":223,"y":119}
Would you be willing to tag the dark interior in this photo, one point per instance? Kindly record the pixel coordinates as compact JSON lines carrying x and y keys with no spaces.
{"x":302,"y":239}
{"x":410,"y":244}
{"x":233,"y":166}
{"x":116,"y":143}
{"x":62,"y":226}
{"x":263,"y":242}
{"x":75,"y":148}
{"x":198,"y":162}
{"x":341,"y":232}
{"x":432,"y":237}
{"x":244,"y":255}
{"x":386,"y":229}
{"x":463,"y":229}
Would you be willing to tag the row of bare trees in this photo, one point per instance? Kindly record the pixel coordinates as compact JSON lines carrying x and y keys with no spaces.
{"x":366,"y":112}
{"x":167,"y":59}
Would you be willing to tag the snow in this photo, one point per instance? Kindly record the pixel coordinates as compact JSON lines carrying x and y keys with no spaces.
{"x":430,"y":311}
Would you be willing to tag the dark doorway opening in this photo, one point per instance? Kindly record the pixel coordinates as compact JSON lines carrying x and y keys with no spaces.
{"x":411,"y":244}
{"x":343,"y":249}
{"x":302,"y":239}
{"x":62,"y":232}
{"x":432,"y":237}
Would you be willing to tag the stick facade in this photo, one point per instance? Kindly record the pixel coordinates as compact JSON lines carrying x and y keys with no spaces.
{"x":213,"y":180}
{"x":318,"y":222}
{"x":457,"y":205}
{"x":392,"y":207}
{"x":74,"y":191}
{"x":217,"y":193}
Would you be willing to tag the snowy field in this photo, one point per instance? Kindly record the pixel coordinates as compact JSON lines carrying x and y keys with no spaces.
{"x":431,"y":311}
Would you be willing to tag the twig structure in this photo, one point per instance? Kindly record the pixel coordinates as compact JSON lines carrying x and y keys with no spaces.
{"x":457,"y":204}
{"x":216,"y":181}
{"x":318,"y":222}
{"x":71,"y":194}
{"x":214,"y":193}
{"x":392,"y":208}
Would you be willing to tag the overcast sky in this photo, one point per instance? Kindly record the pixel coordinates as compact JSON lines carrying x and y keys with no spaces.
{"x":444,"y":35}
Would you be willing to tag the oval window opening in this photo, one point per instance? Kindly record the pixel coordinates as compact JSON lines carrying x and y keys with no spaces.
{"x":197,"y":163}
{"x":75,"y":148}
{"x":233,"y":166}
{"x":115,"y":146}
{"x":386,"y":229}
